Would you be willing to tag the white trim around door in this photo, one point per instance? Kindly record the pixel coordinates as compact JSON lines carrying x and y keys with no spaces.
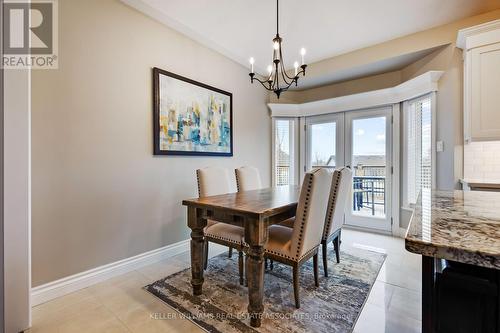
{"x":330,"y":135}
{"x":335,"y":119}
{"x":381,"y":216}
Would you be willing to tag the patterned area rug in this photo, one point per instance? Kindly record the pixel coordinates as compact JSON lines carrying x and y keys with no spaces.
{"x":332,"y":307}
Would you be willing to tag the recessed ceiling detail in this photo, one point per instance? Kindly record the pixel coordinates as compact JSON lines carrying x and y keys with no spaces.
{"x":239,"y":29}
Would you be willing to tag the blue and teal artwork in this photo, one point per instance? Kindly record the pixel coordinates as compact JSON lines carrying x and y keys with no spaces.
{"x":192,"y":118}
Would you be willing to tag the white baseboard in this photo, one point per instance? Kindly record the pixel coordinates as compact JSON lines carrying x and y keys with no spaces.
{"x":69,"y":284}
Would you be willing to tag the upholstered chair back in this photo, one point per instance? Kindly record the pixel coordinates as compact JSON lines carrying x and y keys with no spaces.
{"x":339,"y":193}
{"x":248,"y":178}
{"x":212,"y":181}
{"x":311,"y":212}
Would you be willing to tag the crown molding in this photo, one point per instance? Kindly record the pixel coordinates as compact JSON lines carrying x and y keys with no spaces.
{"x":478,"y":35}
{"x":418,"y":86}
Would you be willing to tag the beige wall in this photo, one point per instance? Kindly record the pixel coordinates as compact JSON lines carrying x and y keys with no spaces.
{"x":99,"y":195}
{"x":369,"y":83}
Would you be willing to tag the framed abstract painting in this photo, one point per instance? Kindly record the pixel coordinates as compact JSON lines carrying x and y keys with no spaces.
{"x":191,"y":118}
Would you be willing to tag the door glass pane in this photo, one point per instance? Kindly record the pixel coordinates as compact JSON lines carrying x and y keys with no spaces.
{"x":426,"y":172}
{"x":369,"y":166}
{"x":418,"y":149}
{"x":283,"y":152}
{"x":322,"y":149}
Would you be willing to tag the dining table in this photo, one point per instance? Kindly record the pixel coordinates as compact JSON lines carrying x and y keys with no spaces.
{"x":253,"y":210}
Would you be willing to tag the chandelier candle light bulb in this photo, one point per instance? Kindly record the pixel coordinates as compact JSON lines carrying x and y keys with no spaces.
{"x":279,"y":80}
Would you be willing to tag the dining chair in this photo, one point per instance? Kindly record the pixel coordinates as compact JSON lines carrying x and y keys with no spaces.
{"x":339,"y":193}
{"x":295,"y":246}
{"x":215,"y":181}
{"x":247,"y":178}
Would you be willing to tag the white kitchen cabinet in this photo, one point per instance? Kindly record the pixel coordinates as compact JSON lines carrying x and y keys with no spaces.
{"x":481,"y":47}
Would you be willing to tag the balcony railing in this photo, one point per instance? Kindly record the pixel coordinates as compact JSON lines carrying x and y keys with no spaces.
{"x":368,"y":189}
{"x":368,"y":193}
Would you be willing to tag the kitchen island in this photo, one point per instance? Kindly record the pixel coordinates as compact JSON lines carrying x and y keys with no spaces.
{"x":458,"y":235}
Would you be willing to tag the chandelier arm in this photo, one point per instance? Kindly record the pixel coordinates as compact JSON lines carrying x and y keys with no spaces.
{"x":263,"y":83}
{"x":291,"y":78}
{"x":288,"y":82}
{"x":260,"y":81}
{"x":300,"y":72}
{"x":285,"y":79}
{"x":283,"y":70}
{"x":285,"y":88}
{"x":285,"y":75}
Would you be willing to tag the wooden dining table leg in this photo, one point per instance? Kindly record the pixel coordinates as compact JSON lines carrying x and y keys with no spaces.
{"x":256,"y":233}
{"x":196,"y":223}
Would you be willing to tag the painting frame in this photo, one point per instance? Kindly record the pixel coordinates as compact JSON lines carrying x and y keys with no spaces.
{"x":157,"y":72}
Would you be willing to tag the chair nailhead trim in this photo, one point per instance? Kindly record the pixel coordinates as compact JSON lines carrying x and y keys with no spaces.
{"x":228,"y":240}
{"x":237,"y":180}
{"x":305,"y":213}
{"x":279,"y":254}
{"x":198,"y":181}
{"x":331,"y":204}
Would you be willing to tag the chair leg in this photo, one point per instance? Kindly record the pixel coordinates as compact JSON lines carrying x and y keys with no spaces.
{"x":315,"y":265}
{"x":246,"y":271}
{"x":336,"y":248}
{"x":240,"y":265}
{"x":230,"y":252}
{"x":271,"y":265}
{"x":325,"y":259}
{"x":205,"y":255}
{"x":265,"y":264}
{"x":296,"y":285}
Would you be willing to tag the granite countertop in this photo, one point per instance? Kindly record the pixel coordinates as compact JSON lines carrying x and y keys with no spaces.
{"x":462,"y":226}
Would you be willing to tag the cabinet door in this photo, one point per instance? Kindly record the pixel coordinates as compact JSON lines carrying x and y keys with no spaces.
{"x":484,"y":94}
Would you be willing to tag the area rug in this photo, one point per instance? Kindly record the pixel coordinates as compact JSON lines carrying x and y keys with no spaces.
{"x":332,"y":307}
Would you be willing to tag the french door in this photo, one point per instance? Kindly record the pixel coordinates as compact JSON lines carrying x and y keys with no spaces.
{"x":361,"y":140}
{"x":368,"y":152}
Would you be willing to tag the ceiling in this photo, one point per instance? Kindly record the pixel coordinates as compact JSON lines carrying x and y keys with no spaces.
{"x":241,"y":29}
{"x":372,"y":68}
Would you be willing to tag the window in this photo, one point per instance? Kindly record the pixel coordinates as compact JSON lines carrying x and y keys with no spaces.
{"x":417,"y":131}
{"x":284,"y":151}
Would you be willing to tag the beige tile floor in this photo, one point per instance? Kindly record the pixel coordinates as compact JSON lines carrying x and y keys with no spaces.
{"x":120,"y":305}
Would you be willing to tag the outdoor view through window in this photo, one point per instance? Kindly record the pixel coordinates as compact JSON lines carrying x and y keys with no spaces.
{"x":369,"y":166}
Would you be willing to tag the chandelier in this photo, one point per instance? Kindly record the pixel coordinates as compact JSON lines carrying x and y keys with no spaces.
{"x":278,"y":79}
